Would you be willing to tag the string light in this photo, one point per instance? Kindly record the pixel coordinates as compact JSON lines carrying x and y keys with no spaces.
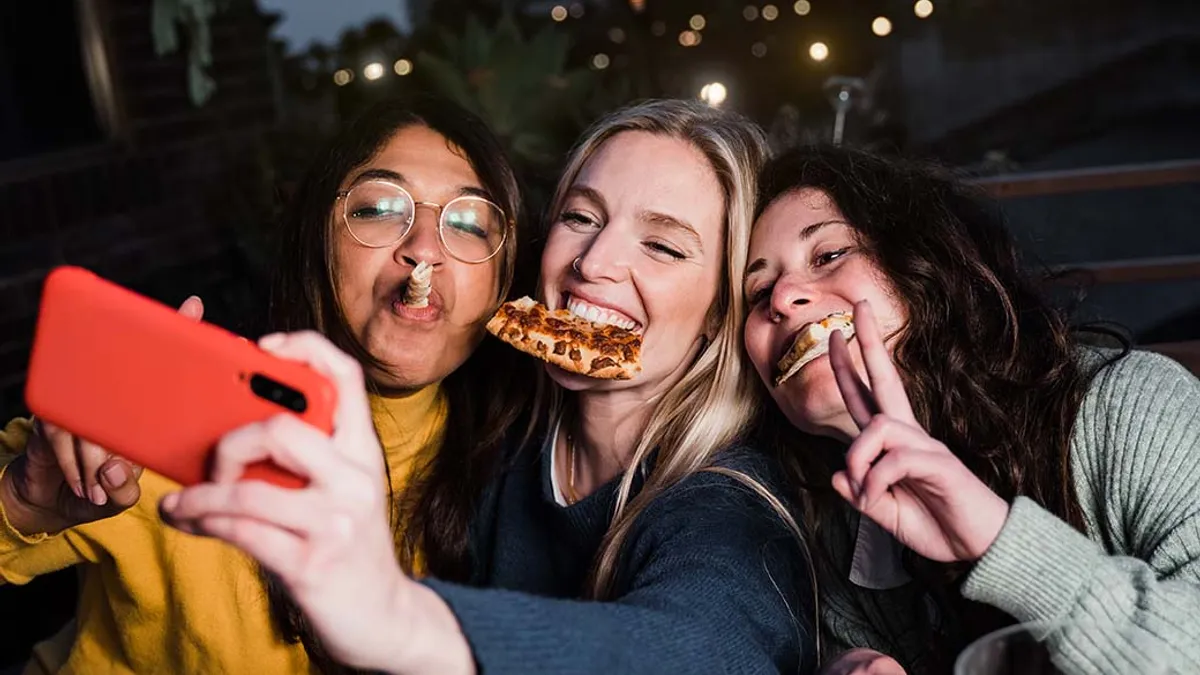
{"x":373,"y":71}
{"x":923,"y":9}
{"x":818,"y":51}
{"x":689,"y":38}
{"x":600,"y":61}
{"x":559,"y":13}
{"x":697,"y":22}
{"x":770,"y":12}
{"x":403,"y":67}
{"x":750,"y":13}
{"x":617,"y":35}
{"x":576,"y":10}
{"x":713,"y":93}
{"x":802,"y":7}
{"x":342,"y":77}
{"x":881,"y":26}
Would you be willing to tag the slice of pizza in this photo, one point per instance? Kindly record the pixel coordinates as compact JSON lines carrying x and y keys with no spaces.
{"x":568,"y":341}
{"x":812,"y":343}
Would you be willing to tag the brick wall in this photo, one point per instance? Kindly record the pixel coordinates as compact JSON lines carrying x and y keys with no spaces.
{"x":137,"y":209}
{"x":143,"y":208}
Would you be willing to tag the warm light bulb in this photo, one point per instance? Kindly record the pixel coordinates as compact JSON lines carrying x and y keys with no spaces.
{"x":881,"y":26}
{"x":373,"y":71}
{"x":923,"y":9}
{"x":819,"y":51}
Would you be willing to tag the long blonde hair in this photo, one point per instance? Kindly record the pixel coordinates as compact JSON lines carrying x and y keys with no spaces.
{"x":716,"y":400}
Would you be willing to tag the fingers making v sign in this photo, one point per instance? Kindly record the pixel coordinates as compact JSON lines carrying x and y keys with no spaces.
{"x":896,"y":473}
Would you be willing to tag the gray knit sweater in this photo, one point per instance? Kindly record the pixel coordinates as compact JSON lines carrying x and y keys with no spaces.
{"x":1129,"y":589}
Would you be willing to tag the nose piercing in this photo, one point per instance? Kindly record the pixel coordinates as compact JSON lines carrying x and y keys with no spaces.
{"x":575,"y":266}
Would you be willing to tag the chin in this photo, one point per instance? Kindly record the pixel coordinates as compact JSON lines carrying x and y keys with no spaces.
{"x":576,"y":382}
{"x":811,"y":399}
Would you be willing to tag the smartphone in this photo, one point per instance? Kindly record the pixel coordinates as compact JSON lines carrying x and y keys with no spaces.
{"x":140,"y":380}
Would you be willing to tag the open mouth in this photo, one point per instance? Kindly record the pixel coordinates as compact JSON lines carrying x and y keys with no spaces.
{"x":811,"y":342}
{"x":604,"y":316}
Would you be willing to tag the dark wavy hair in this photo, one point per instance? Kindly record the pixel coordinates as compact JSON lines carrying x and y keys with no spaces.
{"x":988,"y":363}
{"x":437,"y":504}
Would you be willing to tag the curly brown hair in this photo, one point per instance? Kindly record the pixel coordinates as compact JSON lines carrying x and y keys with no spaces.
{"x":988,"y":363}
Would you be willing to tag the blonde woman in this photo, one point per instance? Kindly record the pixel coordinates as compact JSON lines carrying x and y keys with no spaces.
{"x":635,"y":495}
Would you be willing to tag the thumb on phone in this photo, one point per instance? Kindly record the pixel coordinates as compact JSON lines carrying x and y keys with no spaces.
{"x":192,"y":308}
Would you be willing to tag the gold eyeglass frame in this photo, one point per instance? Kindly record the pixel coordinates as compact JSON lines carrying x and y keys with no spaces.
{"x":412,"y":217}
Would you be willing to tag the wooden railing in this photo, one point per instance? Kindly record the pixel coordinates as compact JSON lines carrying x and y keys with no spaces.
{"x":1174,"y":268}
{"x":1092,"y":180}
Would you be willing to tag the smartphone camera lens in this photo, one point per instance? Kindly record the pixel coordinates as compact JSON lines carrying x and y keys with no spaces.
{"x":278,"y":393}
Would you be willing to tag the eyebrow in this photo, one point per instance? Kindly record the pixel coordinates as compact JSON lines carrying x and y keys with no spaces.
{"x":652,"y":217}
{"x":805,"y":234}
{"x":672,"y":223}
{"x":394,"y":177}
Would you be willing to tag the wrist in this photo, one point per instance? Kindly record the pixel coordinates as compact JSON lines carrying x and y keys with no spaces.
{"x":432,"y":640}
{"x":990,"y":523}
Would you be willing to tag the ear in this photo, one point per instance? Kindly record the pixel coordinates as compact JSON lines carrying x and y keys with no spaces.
{"x":712,"y":325}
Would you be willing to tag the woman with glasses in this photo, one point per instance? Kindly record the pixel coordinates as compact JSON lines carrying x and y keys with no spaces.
{"x":410,"y":184}
{"x":630,"y":530}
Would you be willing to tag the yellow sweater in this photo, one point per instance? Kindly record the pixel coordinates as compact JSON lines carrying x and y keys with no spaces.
{"x":154,"y":600}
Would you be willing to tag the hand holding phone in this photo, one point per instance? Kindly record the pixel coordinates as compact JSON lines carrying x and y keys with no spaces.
{"x":130,"y":375}
{"x":61,"y":481}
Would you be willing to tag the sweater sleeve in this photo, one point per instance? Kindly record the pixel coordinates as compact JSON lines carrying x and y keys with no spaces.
{"x":23,"y":557}
{"x":1137,"y":447}
{"x":714,"y":583}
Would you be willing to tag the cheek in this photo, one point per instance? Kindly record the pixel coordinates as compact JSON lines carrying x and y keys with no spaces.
{"x":560,"y":252}
{"x":758,"y":342}
{"x":355,"y":271}
{"x":476,"y":288}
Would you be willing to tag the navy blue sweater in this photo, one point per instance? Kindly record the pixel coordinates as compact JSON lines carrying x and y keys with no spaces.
{"x":710,"y":580}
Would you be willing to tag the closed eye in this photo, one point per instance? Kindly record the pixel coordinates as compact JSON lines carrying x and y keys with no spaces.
{"x":577,"y":220}
{"x":756,"y":297}
{"x":659,"y":247}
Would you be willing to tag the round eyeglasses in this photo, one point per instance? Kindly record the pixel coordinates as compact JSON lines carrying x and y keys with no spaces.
{"x":378,"y":214}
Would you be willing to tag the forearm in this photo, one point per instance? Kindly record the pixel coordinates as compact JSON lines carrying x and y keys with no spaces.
{"x":1117,"y":615}
{"x":513,"y":632}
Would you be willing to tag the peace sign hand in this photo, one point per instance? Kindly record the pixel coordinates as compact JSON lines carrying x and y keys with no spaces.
{"x":896,"y":473}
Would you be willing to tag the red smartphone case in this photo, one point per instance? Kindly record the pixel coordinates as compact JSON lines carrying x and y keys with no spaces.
{"x":135,"y":377}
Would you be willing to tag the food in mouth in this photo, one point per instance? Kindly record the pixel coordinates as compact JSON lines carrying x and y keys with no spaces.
{"x":590,"y":347}
{"x":420,"y":285}
{"x":812,"y":343}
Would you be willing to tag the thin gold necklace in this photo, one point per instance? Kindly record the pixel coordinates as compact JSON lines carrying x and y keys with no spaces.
{"x":571,"y":495}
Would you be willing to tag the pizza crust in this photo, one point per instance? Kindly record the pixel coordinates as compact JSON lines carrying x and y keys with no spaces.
{"x":813,"y":343}
{"x":568,"y":341}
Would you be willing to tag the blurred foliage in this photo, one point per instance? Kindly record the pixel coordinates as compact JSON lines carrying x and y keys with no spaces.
{"x":524,"y":87}
{"x":194,"y":17}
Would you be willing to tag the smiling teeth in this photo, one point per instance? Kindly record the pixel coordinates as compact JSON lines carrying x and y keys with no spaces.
{"x":599,"y":315}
